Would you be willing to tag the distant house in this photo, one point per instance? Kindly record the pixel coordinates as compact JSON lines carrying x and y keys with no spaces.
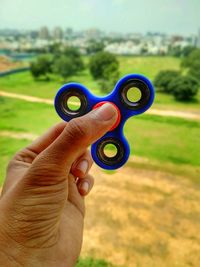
{"x":124,"y":48}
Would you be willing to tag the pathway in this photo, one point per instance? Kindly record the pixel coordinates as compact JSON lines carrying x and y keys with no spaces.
{"x":170,"y":113}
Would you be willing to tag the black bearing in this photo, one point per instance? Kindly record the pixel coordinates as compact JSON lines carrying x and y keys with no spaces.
{"x":63,"y":102}
{"x":145,"y":94}
{"x":110,"y":161}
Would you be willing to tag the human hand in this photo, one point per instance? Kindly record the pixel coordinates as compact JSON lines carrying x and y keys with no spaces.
{"x":42,"y":205}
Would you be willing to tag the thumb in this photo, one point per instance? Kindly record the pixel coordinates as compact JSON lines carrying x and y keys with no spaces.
{"x":78,"y":134}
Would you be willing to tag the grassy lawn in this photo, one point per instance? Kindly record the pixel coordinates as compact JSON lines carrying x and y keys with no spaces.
{"x":23,"y":83}
{"x":24,"y":116}
{"x":148,"y":66}
{"x":157,"y":216}
{"x":9,"y":147}
{"x":164,"y":139}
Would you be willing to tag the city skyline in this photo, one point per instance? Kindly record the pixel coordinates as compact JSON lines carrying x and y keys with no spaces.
{"x":170,"y":17}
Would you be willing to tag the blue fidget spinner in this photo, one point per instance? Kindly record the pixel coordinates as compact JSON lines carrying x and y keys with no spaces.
{"x":125,"y":108}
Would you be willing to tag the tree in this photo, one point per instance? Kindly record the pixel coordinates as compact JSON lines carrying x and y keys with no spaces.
{"x":192,"y":63}
{"x":164,"y":78}
{"x":73,"y":54}
{"x":178,"y":51}
{"x":187,"y":50}
{"x":104,"y":66}
{"x":67,"y":62}
{"x":55,"y":49}
{"x":64,"y":66}
{"x":41,"y":67}
{"x":175,"y":51}
{"x":95,"y":47}
{"x":184,"y":88}
{"x":105,"y":86}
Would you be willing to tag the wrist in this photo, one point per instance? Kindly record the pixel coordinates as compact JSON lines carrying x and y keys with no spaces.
{"x":7,"y":259}
{"x":11,"y":254}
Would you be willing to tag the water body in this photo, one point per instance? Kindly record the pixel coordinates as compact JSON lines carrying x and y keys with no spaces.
{"x":18,"y":56}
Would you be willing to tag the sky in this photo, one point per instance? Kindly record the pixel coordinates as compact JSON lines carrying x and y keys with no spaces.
{"x":168,"y":16}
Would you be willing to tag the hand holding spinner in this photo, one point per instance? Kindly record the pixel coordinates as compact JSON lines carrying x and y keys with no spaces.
{"x":124,"y":106}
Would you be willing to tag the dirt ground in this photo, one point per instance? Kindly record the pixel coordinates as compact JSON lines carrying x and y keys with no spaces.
{"x":143,"y":218}
{"x":6,"y":64}
{"x":140,"y":218}
{"x":170,"y":113}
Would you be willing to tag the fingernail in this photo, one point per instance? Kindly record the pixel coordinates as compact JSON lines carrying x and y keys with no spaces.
{"x":84,"y":187}
{"x":83,"y":166}
{"x":106,"y":112}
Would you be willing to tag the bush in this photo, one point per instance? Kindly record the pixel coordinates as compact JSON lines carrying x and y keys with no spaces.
{"x":64,"y":67}
{"x":64,"y":63}
{"x":184,"y":88}
{"x":104,"y":65}
{"x":74,"y":54}
{"x":41,"y":67}
{"x":186,"y":51}
{"x":177,"y":51}
{"x":67,"y":63}
{"x":95,"y":47}
{"x":192,"y":63}
{"x":164,"y":78}
{"x":105,"y":86}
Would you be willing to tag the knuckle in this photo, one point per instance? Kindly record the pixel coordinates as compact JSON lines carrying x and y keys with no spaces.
{"x":58,"y":129}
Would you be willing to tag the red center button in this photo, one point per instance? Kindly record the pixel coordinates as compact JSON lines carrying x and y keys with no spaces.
{"x":117,"y":109}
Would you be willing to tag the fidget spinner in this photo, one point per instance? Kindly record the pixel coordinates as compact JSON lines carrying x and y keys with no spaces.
{"x":125,"y":107}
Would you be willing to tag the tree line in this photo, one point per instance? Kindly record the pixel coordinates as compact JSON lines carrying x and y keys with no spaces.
{"x":68,"y":62}
{"x":104,"y":67}
{"x":184,"y":84}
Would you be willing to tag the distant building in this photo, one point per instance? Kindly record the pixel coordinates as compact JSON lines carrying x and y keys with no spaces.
{"x":44,"y":33}
{"x":58,"y":33}
{"x":33,"y":34}
{"x":69,"y":31}
{"x":124,"y":48}
{"x":93,"y":34}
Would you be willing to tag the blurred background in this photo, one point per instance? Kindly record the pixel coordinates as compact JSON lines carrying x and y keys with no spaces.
{"x":147,"y":213}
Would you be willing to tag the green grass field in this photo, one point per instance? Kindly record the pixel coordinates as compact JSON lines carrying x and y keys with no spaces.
{"x":163,"y":139}
{"x":23,"y":83}
{"x":156,"y":194}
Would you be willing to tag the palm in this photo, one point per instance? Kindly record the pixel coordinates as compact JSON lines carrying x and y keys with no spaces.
{"x":42,"y":207}
{"x":70,"y":221}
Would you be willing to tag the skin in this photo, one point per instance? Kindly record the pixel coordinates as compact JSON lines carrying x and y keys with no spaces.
{"x":42,"y":203}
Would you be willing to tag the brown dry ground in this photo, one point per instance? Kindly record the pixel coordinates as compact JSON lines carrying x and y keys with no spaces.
{"x":143,"y":218}
{"x":6,"y":64}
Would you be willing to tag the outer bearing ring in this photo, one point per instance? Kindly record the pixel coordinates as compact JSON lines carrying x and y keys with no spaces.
{"x":63,"y":103}
{"x":145,"y":94}
{"x":110,"y":161}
